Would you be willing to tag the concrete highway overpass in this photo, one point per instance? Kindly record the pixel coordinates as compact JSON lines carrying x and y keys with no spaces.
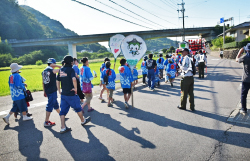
{"x":71,"y":41}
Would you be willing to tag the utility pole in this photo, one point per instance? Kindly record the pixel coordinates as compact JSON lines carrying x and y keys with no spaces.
{"x":183,"y":17}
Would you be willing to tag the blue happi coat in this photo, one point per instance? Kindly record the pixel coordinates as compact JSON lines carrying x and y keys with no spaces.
{"x":135,"y":74}
{"x":85,"y":75}
{"x":111,"y":80}
{"x":103,"y":66}
{"x":160,"y":64}
{"x":171,"y":69}
{"x":165,"y":64}
{"x":126,"y":77}
{"x":157,"y":79}
{"x":144,"y":67}
{"x":16,"y":87}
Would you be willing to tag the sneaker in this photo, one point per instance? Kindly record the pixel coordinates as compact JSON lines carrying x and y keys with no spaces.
{"x":100,"y":98}
{"x":87,"y":120}
{"x":27,"y":118}
{"x":152,"y":89}
{"x":242,"y":111}
{"x":65,"y":130}
{"x":29,"y":114}
{"x":172,"y":85}
{"x":6,"y":120}
{"x":149,"y":88}
{"x":49,"y":123}
{"x":126,"y":105}
{"x":109,"y":105}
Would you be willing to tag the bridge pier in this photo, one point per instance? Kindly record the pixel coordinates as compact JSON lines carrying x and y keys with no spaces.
{"x":72,"y":50}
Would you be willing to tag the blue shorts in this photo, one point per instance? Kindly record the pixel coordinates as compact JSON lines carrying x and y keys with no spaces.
{"x":67,"y":101}
{"x":52,"y":102}
{"x":19,"y":106}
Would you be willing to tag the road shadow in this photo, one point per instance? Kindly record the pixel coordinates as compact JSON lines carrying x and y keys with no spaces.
{"x":219,"y":135}
{"x":29,"y":139}
{"x":105,"y":120}
{"x":79,"y":150}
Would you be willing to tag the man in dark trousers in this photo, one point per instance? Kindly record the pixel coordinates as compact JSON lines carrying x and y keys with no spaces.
{"x":66,"y":78}
{"x":246,"y":76}
{"x":151,"y":65}
{"x":187,"y":82}
{"x":201,"y":60}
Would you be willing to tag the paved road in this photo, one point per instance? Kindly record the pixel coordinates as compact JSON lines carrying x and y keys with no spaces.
{"x":154,"y":130}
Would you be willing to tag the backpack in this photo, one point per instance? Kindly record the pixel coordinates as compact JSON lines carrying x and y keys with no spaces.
{"x":193,"y":67}
{"x":106,"y":78}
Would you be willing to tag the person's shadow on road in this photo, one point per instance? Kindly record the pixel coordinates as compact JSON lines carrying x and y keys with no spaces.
{"x":29,"y":139}
{"x":79,"y":150}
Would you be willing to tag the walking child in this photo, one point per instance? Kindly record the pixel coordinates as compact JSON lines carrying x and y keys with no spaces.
{"x":160,"y":66}
{"x":66,"y":79}
{"x":157,"y":77}
{"x":166,"y":64}
{"x":171,"y":70}
{"x":17,"y":88}
{"x":86,"y":86}
{"x":135,"y":76}
{"x":126,"y":79}
{"x":110,"y":74}
{"x":77,"y":71}
{"x":144,"y":69}
{"x":102,"y":85}
{"x":50,"y":89}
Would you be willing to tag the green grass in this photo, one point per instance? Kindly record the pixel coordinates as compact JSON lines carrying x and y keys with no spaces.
{"x":32,"y":74}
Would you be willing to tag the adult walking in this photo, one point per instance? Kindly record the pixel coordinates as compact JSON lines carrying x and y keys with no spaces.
{"x":187,"y":82}
{"x":246,"y":76}
{"x":160,"y":66}
{"x":66,"y":79}
{"x":202,"y":61}
{"x":151,"y":66}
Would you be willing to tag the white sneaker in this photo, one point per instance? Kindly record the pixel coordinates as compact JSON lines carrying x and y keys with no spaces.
{"x":6,"y":120}
{"x":126,"y":105}
{"x":26,"y":118}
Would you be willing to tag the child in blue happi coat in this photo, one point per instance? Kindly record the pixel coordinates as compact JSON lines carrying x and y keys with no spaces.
{"x":126,"y":79}
{"x":160,"y":65}
{"x":144,"y":70}
{"x":86,"y":77}
{"x":157,"y":78}
{"x":111,"y":82}
{"x":165,"y":66}
{"x":171,"y":70}
{"x":102,"y":85}
{"x":135,"y":76}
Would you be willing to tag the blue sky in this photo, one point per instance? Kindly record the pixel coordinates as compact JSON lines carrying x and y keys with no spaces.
{"x":84,"y":20}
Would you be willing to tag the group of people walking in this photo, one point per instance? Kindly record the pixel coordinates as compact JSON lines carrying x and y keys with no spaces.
{"x":74,"y":84}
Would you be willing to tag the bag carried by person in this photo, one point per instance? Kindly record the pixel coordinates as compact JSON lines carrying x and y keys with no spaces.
{"x":86,"y":87}
{"x":106,"y":78}
{"x":193,"y":67}
{"x":28,"y":95}
{"x":149,"y":63}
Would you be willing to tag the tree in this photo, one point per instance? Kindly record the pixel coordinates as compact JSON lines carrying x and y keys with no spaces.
{"x":164,"y":50}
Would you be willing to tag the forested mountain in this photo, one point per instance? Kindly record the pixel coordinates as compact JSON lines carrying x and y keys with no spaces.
{"x":158,"y":44}
{"x":52,"y":24}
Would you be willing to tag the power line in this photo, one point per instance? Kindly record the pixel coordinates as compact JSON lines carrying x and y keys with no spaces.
{"x":149,"y":12}
{"x":159,"y":6}
{"x":170,"y":5}
{"x":110,"y":14}
{"x":134,"y":12}
{"x":123,"y":12}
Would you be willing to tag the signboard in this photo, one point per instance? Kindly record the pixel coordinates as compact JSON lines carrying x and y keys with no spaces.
{"x":133,"y":48}
{"x":115,"y":44}
{"x":222,"y":20}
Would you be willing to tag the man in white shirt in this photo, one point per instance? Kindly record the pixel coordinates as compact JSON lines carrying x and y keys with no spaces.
{"x":187,"y":81}
{"x":201,"y":63}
